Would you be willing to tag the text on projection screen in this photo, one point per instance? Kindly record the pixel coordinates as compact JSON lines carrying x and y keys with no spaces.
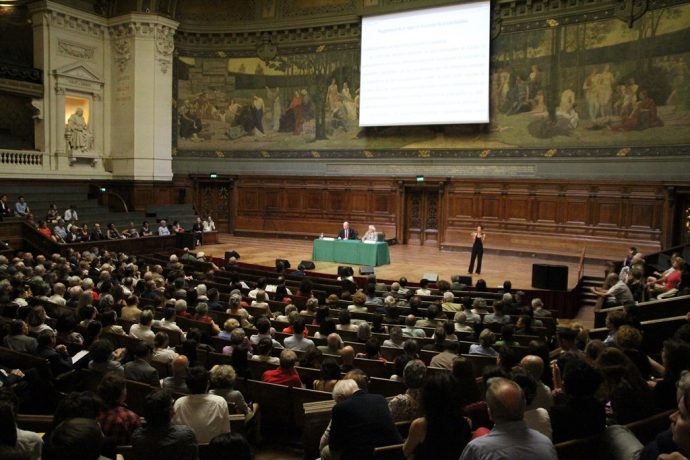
{"x":426,"y":67}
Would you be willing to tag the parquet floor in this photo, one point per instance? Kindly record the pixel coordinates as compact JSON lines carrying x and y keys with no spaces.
{"x":409,"y":261}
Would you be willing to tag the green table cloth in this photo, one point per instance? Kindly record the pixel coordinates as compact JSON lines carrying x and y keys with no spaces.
{"x":351,"y":252}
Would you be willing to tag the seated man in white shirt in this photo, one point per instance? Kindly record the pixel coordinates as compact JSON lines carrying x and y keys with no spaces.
{"x":163,"y":229}
{"x":206,"y":414}
{"x":142,"y":330}
{"x":297,"y":341}
{"x":21,"y":207}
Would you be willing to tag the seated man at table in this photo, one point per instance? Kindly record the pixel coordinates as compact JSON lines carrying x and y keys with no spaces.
{"x":346,"y":233}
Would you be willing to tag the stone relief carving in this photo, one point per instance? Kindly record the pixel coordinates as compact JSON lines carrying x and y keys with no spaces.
{"x":165,"y":45}
{"x":74,"y":50}
{"x":123,"y":54}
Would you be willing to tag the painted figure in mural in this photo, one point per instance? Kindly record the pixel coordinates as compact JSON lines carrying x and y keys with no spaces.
{"x":606,"y":83}
{"x":297,"y":112}
{"x":503,"y":85}
{"x":535,"y":80}
{"x":258,"y":114}
{"x":190,"y":124}
{"x":348,"y":102}
{"x":629,"y":98}
{"x":232,"y":111}
{"x":77,"y":132}
{"x":518,"y":97}
{"x":277,"y":107}
{"x":567,"y":118}
{"x":591,"y":87}
{"x":332,"y":96}
{"x":644,"y":116}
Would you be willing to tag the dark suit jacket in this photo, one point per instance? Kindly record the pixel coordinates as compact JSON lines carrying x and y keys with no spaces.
{"x":141,"y":371}
{"x":59,"y":362}
{"x":360,"y":423}
{"x":351,"y":236}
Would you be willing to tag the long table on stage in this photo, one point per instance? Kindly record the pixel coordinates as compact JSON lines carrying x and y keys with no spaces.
{"x":351,"y":252}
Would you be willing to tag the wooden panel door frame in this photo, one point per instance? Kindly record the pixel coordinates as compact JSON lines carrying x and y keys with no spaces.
{"x":406,"y":186}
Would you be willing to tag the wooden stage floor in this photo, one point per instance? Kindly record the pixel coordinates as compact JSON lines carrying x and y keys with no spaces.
{"x":409,"y":261}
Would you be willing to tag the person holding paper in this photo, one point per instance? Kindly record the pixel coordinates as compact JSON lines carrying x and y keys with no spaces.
{"x":370,"y":234}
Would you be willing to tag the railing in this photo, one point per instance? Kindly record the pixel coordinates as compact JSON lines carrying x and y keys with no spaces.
{"x":581,"y":265}
{"x":22,"y":158}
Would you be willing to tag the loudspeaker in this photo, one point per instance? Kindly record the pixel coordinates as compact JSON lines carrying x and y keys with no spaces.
{"x":184,"y":240}
{"x":464,"y":279}
{"x":552,"y":277}
{"x":540,"y":276}
{"x":307,"y":264}
{"x":229,"y":254}
{"x":344,"y":271}
{"x":366,"y":270}
{"x":282,"y":264}
{"x":432,"y":277}
{"x":380,"y":237}
{"x":558,"y":278}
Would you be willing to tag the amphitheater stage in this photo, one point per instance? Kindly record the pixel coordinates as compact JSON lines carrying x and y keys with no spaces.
{"x":406,"y":260}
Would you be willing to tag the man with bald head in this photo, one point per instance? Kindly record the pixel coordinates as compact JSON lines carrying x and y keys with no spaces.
{"x":534,"y":366}
{"x":177,"y":381}
{"x":347,"y":233}
{"x":347,"y":356}
{"x":333,"y":345}
{"x":510,"y":438}
{"x":411,"y":330}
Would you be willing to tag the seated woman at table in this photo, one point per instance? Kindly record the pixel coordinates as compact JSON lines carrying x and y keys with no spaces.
{"x":370,"y":234}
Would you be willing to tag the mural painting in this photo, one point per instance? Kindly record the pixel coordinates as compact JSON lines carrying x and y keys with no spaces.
{"x":589,"y":84}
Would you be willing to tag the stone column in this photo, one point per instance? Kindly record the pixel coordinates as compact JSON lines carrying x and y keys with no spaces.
{"x":141,"y":115}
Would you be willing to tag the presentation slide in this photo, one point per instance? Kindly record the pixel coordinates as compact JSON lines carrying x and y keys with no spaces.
{"x":426,"y":67}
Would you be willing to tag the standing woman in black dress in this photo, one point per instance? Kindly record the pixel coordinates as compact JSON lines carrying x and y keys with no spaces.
{"x":477,"y":249}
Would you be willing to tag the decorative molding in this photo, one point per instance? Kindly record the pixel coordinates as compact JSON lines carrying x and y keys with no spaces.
{"x":75,"y":50}
{"x":78,"y":76}
{"x":431,"y":154}
{"x":333,"y":34}
{"x":21,"y":87}
{"x":74,"y":23}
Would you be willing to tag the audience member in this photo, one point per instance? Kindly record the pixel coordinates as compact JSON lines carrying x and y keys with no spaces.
{"x":286,"y":373}
{"x":510,"y":438}
{"x":160,"y":439}
{"x":206,"y":414}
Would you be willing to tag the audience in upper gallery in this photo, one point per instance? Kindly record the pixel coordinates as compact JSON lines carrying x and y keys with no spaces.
{"x":209,"y":225}
{"x":21,"y":207}
{"x":71,"y":214}
{"x":163,"y":229}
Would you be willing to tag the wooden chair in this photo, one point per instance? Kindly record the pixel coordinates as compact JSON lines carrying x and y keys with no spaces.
{"x":386,"y":387}
{"x":394,"y":452}
{"x":577,"y":449}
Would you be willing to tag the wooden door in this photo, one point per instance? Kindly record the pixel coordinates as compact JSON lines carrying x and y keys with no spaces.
{"x":421,"y":217}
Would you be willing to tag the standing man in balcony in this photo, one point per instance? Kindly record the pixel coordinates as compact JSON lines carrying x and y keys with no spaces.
{"x":71,"y":213}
